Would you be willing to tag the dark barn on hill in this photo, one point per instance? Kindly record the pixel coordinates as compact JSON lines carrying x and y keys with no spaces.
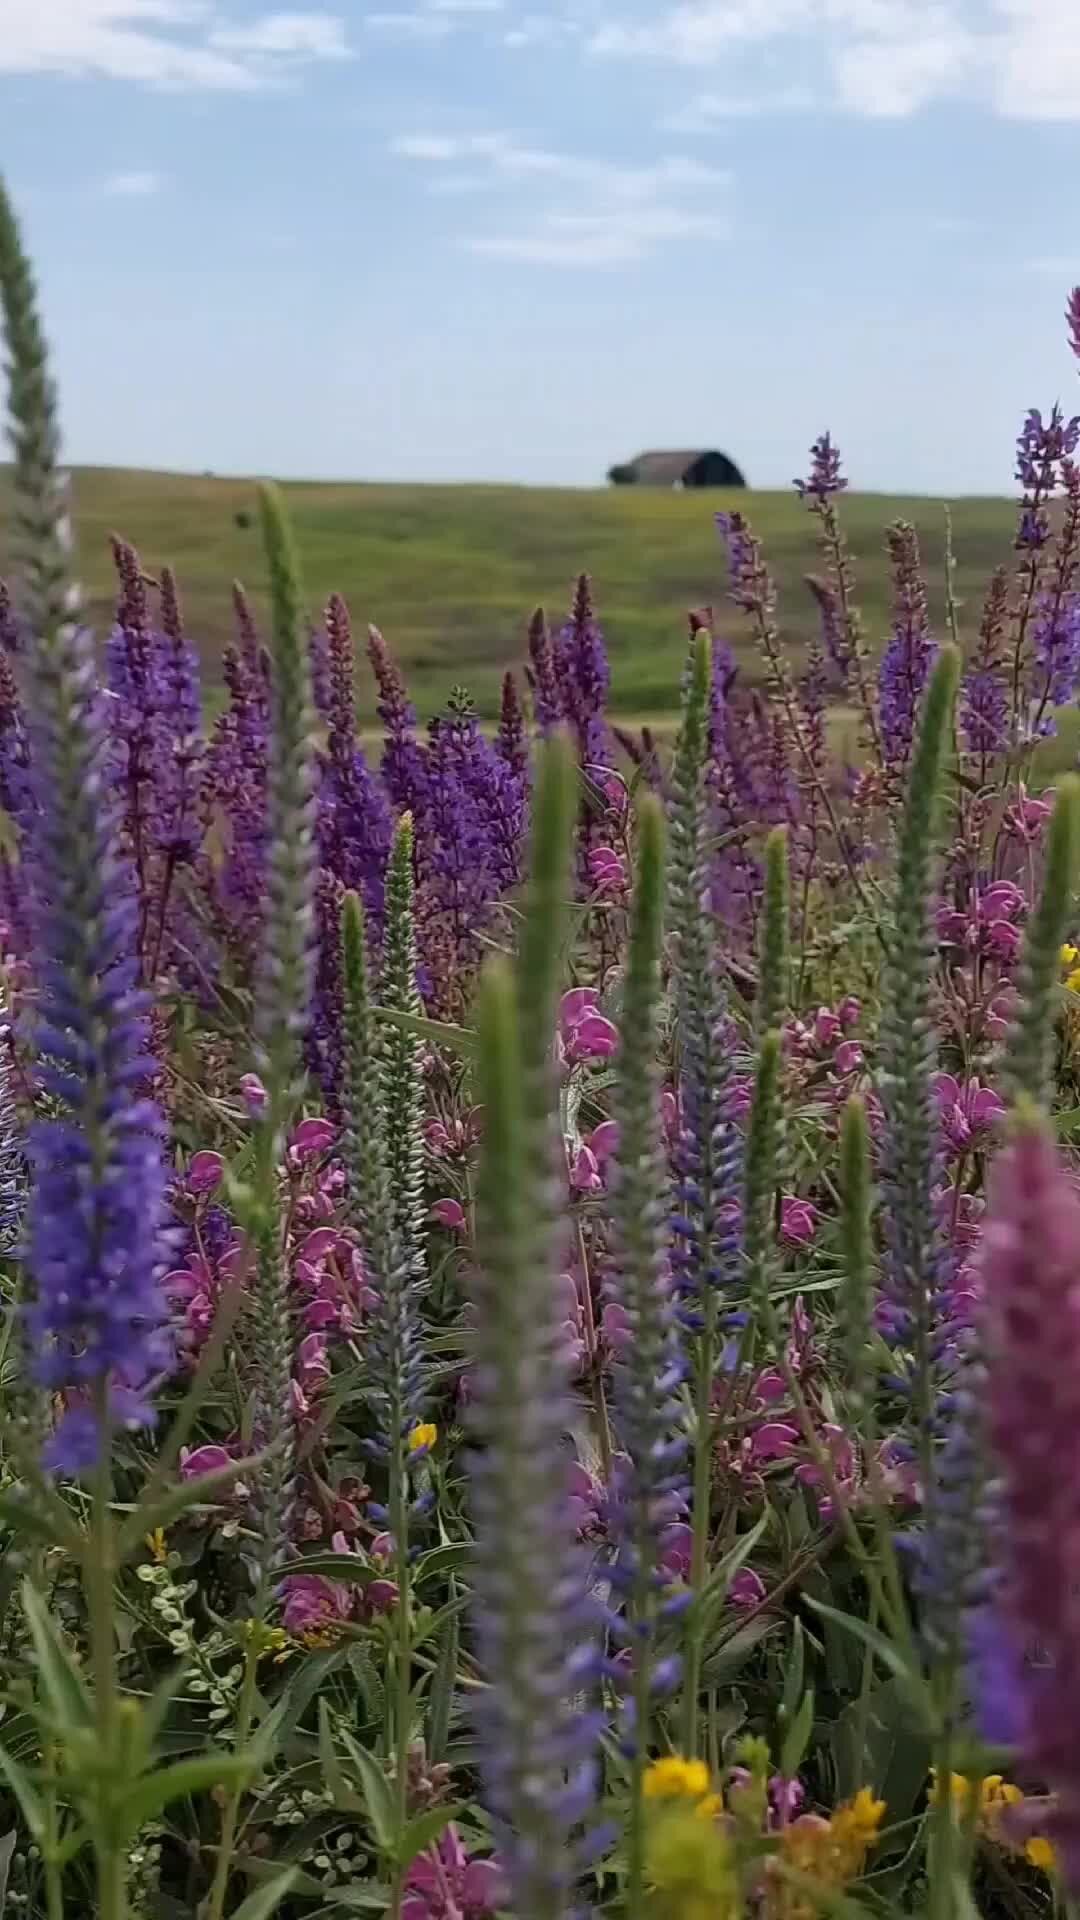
{"x":691,"y":467}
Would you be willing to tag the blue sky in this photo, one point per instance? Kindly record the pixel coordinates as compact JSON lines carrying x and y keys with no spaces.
{"x":521,"y":239}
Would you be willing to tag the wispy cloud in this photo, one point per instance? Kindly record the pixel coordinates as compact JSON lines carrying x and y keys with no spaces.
{"x":302,"y":36}
{"x":879,"y":58}
{"x":573,"y":209}
{"x":615,"y":237}
{"x":132,"y":186}
{"x":708,"y":112}
{"x":164,"y":43}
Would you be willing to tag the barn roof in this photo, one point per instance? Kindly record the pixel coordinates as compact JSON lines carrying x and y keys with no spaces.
{"x":666,"y":468}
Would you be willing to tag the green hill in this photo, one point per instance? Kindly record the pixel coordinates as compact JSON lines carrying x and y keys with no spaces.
{"x":451,"y":574}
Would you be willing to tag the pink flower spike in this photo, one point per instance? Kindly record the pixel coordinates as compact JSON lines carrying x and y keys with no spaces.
{"x":848,"y":1057}
{"x":195,"y":1461}
{"x":775,"y":1440}
{"x":849,"y":1011}
{"x":204,"y":1172}
{"x":585,"y":1174}
{"x":595,"y":1038}
{"x":603,"y":1141}
{"x":311,"y":1137}
{"x":449,"y":1214}
{"x":747,"y":1589}
{"x":253,"y":1092}
{"x":575,"y":1004}
{"x":798,"y":1220}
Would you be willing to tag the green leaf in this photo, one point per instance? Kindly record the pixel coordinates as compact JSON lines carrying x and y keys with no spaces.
{"x":144,"y":1800}
{"x":377,"y":1791}
{"x":199,"y":1492}
{"x":449,"y":1611}
{"x":265,"y":1900}
{"x":450,"y":1559}
{"x":889,"y":1655}
{"x":438,"y":1033}
{"x":336,"y":1566}
{"x":7,"y":1848}
{"x":441,"y":1698}
{"x":25,"y":1793}
{"x":797,"y":1737}
{"x":346,"y":1800}
{"x":793,"y":1679}
{"x":63,"y":1683}
{"x":722,"y":1666}
{"x":421,"y":1831}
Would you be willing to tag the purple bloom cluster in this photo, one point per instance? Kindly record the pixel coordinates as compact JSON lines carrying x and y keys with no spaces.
{"x":584,"y":677}
{"x":354,"y":827}
{"x":826,"y":477}
{"x":235,"y":787}
{"x":98,"y":1317}
{"x":984,"y":705}
{"x":1030,"y":1272}
{"x":154,"y":717}
{"x":911,"y":650}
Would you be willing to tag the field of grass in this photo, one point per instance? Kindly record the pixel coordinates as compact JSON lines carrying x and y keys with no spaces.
{"x":451,"y":574}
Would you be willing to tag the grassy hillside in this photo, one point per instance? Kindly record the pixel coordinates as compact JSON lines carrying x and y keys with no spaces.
{"x":452,"y":573}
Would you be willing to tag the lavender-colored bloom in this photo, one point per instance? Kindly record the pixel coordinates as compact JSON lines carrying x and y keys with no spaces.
{"x":1072,"y":315}
{"x":511,"y":743}
{"x":911,"y":651}
{"x":984,"y":706}
{"x":584,"y":677}
{"x":235,"y":788}
{"x":97,"y":1322}
{"x":494,"y":783}
{"x":835,"y":634}
{"x":998,"y":1677}
{"x":354,"y":819}
{"x":354,"y":827}
{"x":1031,"y":1273}
{"x":179,"y":832}
{"x":548,"y":710}
{"x":403,"y":761}
{"x":455,"y":858}
{"x":826,"y":477}
{"x":1056,"y":662}
{"x":12,"y":1164}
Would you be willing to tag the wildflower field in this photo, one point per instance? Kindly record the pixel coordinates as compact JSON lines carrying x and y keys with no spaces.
{"x":453,"y":572}
{"x":541,"y":1353}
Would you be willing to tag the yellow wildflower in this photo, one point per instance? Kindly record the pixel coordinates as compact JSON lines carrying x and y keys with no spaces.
{"x":158,"y":1545}
{"x":1072,"y":980}
{"x":1068,"y":955}
{"x":423,"y":1436}
{"x":1040,"y":1852}
{"x":830,"y":1853}
{"x":674,"y":1778}
{"x":690,"y":1865}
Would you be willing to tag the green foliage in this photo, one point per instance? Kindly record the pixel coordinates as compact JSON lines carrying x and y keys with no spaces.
{"x":1030,"y":1051}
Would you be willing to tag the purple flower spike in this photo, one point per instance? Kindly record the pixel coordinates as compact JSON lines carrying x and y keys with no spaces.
{"x":826,"y":477}
{"x":97,"y":1243}
{"x":1031,"y":1272}
{"x":910,"y":653}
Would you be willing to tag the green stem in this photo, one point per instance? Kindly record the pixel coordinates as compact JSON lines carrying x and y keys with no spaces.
{"x":99,"y":1568}
{"x":399,"y":1521}
{"x":699,"y":1551}
{"x":231,"y":1816}
{"x":641,"y":1613}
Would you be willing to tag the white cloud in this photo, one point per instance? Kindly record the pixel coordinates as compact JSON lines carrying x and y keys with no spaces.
{"x":306,"y":36}
{"x":615,"y":237}
{"x":131,"y":186}
{"x":163,"y":43}
{"x":706,"y":112}
{"x":573,"y":209}
{"x":409,"y":26}
{"x":881,"y":58}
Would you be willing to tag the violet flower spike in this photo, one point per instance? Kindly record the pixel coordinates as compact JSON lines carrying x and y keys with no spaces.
{"x":1031,"y":1273}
